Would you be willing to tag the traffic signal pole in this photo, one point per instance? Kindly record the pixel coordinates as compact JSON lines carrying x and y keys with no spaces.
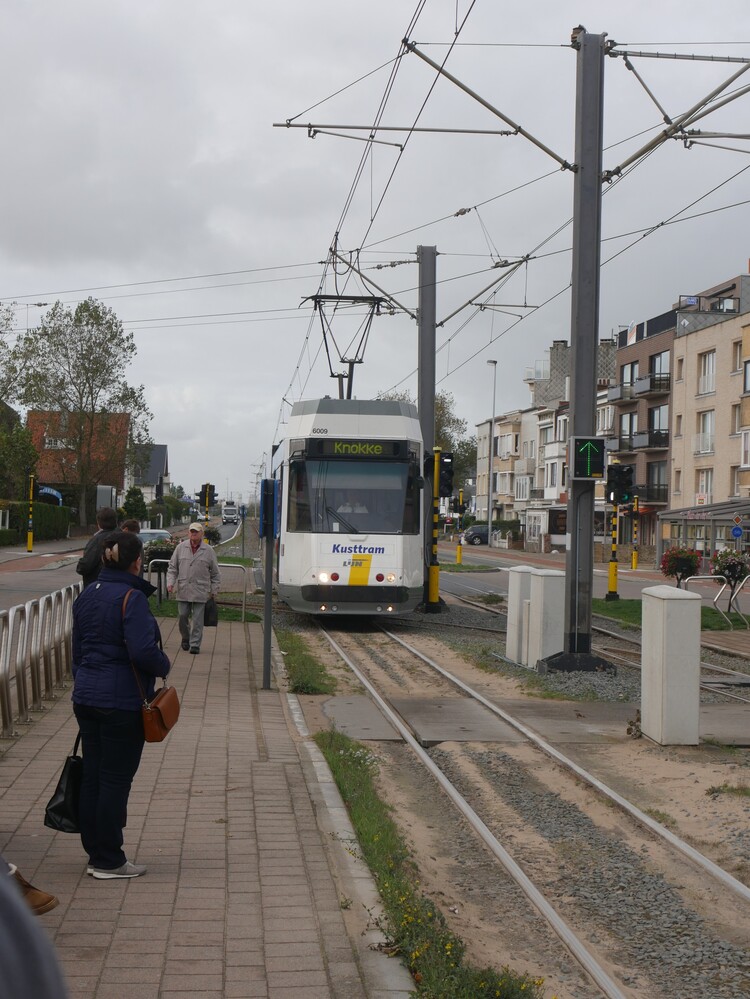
{"x":634,"y":554}
{"x":612,"y":593}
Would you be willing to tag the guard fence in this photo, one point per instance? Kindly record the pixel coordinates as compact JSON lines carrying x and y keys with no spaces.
{"x":35,"y":655}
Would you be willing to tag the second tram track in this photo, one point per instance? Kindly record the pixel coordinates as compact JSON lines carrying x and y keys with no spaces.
{"x":485,"y":773}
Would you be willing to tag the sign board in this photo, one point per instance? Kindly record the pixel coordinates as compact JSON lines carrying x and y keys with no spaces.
{"x":587,"y":457}
{"x":737,"y":519}
{"x":737,"y":532}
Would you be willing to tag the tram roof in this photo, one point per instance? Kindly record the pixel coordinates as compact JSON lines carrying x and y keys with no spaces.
{"x":361,"y":407}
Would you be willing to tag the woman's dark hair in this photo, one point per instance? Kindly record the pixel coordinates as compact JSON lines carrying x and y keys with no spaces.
{"x":130,"y":525}
{"x":120,"y":550}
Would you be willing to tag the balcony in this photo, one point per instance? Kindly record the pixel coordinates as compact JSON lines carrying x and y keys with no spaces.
{"x":651,"y":440}
{"x":655,"y":492}
{"x":703,"y":444}
{"x":524,"y":466}
{"x":652,"y":384}
{"x":536,"y":494}
{"x":619,"y":444}
{"x":620,"y":393}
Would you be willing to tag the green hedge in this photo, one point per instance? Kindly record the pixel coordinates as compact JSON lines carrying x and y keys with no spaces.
{"x":50,"y":522}
{"x":7,"y":538}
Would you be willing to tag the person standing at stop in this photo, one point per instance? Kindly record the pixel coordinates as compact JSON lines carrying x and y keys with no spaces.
{"x":194,"y":572}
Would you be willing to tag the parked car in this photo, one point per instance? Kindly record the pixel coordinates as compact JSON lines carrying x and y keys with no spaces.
{"x":153,"y":534}
{"x":477,"y":534}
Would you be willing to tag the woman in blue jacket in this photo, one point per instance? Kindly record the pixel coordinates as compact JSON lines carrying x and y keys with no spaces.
{"x":110,"y":638}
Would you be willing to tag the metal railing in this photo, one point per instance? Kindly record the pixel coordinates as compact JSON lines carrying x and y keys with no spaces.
{"x":35,"y":653}
{"x":226,"y":565}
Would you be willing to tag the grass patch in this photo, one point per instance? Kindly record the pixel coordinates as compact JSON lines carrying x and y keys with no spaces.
{"x":739,"y":790}
{"x":628,"y":613}
{"x":168,"y":608}
{"x":491,"y":598}
{"x":663,"y":817}
{"x":306,"y":674}
{"x":415,"y":928}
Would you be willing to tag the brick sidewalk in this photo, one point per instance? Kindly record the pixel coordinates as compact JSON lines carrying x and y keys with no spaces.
{"x":242,"y":896}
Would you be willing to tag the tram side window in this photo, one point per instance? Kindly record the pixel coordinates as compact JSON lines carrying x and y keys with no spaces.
{"x":298,"y":516}
{"x":411,"y":505}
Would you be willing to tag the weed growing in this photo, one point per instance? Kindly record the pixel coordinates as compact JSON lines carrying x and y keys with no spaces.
{"x":307,"y":675}
{"x":739,"y":790}
{"x":414,"y":926}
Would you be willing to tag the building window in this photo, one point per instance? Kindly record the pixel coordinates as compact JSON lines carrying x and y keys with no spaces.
{"x":658,"y":364}
{"x":746,"y":379}
{"x":658,"y":418}
{"x":736,"y":424}
{"x":745,"y":449}
{"x":678,"y":425}
{"x":707,"y":372}
{"x":737,"y":355}
{"x":678,"y":480}
{"x":704,"y":481}
{"x":629,"y":373}
{"x":628,"y":427}
{"x":734,"y":480}
{"x":522,"y":487}
{"x":680,"y":366}
{"x":704,"y":439}
{"x":552,"y":474}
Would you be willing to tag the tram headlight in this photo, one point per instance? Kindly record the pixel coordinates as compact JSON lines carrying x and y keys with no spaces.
{"x":322,"y":577}
{"x":391,"y":577}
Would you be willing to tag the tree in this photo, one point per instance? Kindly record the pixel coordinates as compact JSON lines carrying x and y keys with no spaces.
{"x":71,"y":368}
{"x":18,"y":458}
{"x":135,"y":505}
{"x":450,"y":434}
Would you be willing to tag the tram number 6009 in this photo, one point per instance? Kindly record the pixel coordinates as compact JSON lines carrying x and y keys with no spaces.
{"x":320,"y":430}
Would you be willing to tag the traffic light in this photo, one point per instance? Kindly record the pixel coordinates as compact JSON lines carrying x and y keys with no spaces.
{"x":446,"y":474}
{"x":626,"y":483}
{"x":620,"y":488}
{"x":211,"y":495}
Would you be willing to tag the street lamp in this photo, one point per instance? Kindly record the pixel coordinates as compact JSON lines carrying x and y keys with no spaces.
{"x":489,"y":456}
{"x":37,"y":305}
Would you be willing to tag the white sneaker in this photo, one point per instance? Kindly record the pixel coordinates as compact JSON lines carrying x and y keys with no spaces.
{"x":127,"y":870}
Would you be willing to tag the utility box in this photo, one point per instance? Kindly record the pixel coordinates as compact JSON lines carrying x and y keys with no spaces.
{"x":516,"y":638}
{"x":547,"y":615}
{"x":670,"y":666}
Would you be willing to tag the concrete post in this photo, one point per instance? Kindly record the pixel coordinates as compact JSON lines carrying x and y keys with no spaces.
{"x":670,"y":670}
{"x":519,"y":587}
{"x":547,"y":617}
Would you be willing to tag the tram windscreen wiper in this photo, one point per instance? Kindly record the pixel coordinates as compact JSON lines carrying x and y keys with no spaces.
{"x":342,"y":520}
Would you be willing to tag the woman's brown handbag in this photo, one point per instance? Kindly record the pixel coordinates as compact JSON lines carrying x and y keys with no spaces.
{"x":160,"y":714}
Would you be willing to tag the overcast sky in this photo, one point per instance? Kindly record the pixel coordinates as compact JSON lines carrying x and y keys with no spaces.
{"x":141,"y":166}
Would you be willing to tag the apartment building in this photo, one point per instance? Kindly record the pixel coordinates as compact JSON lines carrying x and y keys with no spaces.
{"x":710,"y":449}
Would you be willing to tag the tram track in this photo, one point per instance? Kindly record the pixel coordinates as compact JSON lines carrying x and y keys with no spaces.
{"x":574,"y":872}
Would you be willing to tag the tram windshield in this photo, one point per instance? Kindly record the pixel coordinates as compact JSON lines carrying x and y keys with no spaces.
{"x":353,"y":497}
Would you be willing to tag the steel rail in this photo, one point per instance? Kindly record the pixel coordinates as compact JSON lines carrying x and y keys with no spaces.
{"x":692,"y":854}
{"x":587,"y":961}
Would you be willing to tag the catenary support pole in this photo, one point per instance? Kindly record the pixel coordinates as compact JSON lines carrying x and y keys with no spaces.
{"x":427,"y":259}
{"x":584,"y":325}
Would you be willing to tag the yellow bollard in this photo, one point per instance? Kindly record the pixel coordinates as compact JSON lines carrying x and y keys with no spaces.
{"x":459,"y":552}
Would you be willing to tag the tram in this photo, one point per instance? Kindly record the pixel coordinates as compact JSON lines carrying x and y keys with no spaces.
{"x":350,"y":525}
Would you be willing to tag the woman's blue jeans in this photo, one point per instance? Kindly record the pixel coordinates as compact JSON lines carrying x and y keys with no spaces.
{"x":112,"y":742}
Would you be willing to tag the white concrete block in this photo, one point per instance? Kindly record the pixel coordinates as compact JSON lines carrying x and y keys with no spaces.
{"x":546,"y":620}
{"x":670,"y":664}
{"x":519,"y":584}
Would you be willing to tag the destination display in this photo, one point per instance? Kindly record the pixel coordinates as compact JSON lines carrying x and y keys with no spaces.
{"x":342,"y":447}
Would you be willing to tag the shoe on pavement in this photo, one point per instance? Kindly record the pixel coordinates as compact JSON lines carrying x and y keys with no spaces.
{"x":127,"y":870}
{"x":39,"y":901}
{"x":185,"y":646}
{"x":194,"y":650}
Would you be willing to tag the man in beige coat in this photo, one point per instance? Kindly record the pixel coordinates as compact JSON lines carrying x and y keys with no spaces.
{"x":193,"y":569}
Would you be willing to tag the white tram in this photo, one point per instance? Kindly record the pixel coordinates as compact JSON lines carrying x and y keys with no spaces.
{"x":350,"y":526}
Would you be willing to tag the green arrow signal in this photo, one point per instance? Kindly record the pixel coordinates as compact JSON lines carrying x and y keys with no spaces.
{"x":586,"y":450}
